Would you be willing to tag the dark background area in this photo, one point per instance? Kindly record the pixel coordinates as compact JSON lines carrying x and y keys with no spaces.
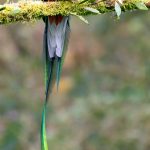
{"x":104,"y":99}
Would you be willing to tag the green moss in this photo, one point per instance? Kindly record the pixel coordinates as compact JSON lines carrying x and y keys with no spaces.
{"x":31,"y":11}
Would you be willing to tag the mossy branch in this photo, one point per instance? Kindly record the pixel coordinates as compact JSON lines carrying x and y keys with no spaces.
{"x":25,"y":11}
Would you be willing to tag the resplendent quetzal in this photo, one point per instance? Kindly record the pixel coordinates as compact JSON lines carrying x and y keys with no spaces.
{"x":55,"y":43}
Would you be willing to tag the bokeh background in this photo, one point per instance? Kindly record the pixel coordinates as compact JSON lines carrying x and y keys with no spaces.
{"x":104,"y":98}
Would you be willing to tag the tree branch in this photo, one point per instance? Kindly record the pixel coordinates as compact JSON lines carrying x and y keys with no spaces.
{"x":33,"y":10}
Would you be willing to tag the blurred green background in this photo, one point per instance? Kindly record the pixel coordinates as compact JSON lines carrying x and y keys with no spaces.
{"x":104,"y":99}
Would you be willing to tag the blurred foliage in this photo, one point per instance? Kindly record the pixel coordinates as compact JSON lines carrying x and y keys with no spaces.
{"x":103,"y":102}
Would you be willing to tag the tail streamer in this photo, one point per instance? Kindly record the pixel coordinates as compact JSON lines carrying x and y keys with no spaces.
{"x":44,"y":145}
{"x":55,"y":43}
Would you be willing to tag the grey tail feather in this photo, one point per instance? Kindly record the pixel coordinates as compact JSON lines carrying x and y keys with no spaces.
{"x":61,"y":59}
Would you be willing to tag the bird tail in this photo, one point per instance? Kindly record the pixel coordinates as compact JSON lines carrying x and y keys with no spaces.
{"x":54,"y":58}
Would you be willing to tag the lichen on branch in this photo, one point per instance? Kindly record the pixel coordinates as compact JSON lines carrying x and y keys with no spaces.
{"x":25,"y":11}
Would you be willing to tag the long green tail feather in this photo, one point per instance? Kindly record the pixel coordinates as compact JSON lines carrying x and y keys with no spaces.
{"x":44,"y":145}
{"x":49,"y":83}
{"x":58,"y":72}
